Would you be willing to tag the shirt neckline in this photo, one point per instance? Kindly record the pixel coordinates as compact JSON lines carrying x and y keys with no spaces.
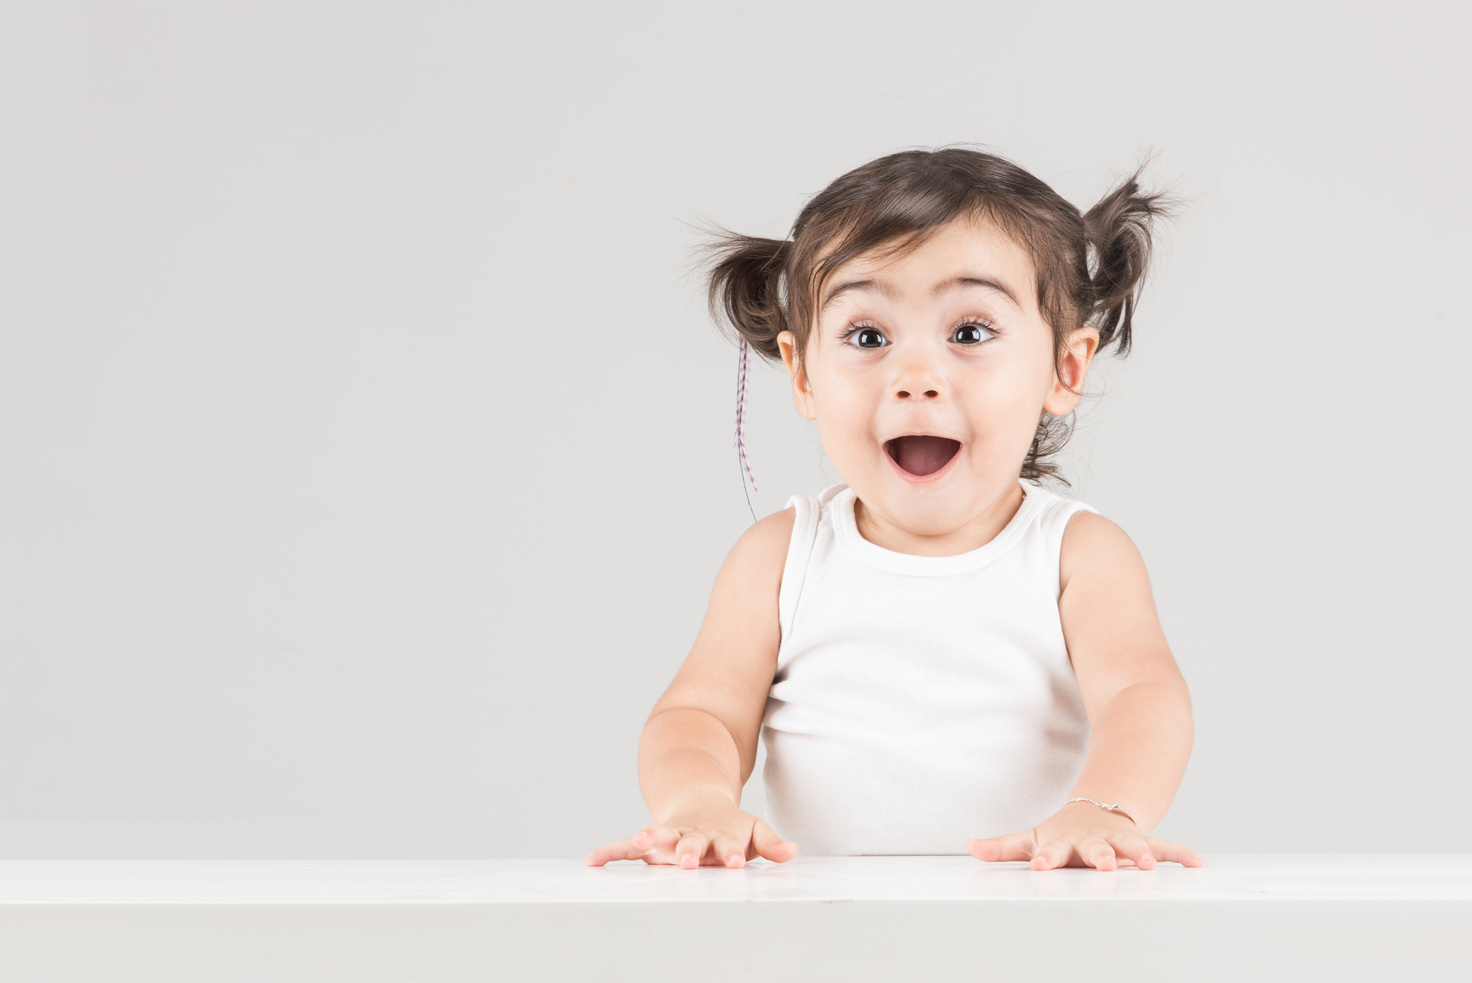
{"x":846,"y":530}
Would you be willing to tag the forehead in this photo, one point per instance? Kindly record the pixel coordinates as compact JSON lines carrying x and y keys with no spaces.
{"x":967,"y":253}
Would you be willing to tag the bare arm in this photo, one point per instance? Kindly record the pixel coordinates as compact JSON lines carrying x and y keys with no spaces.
{"x":699,"y":744}
{"x":701,"y":737}
{"x":1138,"y":706}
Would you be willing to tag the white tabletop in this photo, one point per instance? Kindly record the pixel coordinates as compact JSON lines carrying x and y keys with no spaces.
{"x":1244,"y":877}
{"x":1267,"y":918}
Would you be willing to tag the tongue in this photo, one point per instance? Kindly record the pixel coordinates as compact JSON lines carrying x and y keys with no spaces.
{"x":922,"y":455}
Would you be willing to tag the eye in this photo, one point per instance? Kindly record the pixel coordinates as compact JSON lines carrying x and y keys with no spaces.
{"x":971,"y":333}
{"x":863,"y":337}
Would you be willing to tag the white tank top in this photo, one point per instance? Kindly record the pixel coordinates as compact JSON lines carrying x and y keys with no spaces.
{"x":920,"y":700}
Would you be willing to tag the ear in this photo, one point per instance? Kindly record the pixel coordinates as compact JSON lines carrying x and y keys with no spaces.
{"x":802,"y":392}
{"x":1071,"y":369}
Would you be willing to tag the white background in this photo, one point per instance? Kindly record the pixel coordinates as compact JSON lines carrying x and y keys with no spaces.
{"x":365,"y":447}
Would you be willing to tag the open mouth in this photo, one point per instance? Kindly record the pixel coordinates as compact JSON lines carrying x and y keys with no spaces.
{"x":921,"y":454}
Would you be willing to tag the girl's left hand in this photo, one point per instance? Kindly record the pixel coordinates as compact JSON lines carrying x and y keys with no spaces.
{"x":1083,"y":835}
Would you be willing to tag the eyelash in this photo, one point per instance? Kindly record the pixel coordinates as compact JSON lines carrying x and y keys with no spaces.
{"x":970,"y":322}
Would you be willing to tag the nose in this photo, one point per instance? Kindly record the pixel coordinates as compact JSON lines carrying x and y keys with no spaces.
{"x":918,"y":379}
{"x":927,"y":394}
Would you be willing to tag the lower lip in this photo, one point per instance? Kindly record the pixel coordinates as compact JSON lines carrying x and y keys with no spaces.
{"x":922,"y":479}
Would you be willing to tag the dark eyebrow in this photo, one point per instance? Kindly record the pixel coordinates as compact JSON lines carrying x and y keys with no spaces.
{"x":964,"y":280}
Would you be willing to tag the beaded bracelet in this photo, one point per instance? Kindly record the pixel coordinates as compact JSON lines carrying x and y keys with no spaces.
{"x":1113,"y":808}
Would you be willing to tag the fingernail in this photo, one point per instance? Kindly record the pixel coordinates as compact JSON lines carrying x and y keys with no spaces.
{"x":687,"y":860}
{"x":735,"y":859}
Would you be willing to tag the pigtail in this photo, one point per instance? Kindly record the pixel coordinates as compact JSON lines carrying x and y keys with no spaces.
{"x":745,"y":289}
{"x":1118,"y":230}
{"x":745,"y":292}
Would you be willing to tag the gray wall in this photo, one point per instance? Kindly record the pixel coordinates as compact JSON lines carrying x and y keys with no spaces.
{"x":365,"y":450}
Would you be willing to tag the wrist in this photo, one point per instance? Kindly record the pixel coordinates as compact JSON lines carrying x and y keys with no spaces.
{"x":702,"y":799}
{"x":1083,"y":804}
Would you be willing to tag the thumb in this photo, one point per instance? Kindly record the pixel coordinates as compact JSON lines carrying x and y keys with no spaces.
{"x":769,"y":845}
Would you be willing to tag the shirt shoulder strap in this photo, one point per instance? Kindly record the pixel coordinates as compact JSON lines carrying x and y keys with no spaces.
{"x":800,"y":551}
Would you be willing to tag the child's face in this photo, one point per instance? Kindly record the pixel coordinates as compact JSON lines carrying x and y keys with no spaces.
{"x":927,"y":391}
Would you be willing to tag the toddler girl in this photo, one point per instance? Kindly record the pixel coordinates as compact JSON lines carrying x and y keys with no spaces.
{"x":942,"y":655}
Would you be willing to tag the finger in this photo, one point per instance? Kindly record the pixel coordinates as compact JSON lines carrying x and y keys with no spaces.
{"x":1097,"y":852}
{"x":1013,"y":846}
{"x":1174,"y":852}
{"x":617,"y":850}
{"x":1133,"y":846}
{"x":730,"y":851}
{"x":769,"y":845}
{"x":691,"y":849}
{"x":1054,"y":853}
{"x":656,"y":837}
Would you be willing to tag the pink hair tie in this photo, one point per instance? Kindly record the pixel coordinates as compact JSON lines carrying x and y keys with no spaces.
{"x":741,"y":424}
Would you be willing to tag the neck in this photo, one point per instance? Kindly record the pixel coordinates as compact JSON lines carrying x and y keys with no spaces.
{"x":972,"y":535}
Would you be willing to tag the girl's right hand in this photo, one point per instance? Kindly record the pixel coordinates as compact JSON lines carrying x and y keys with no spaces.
{"x":719,"y":836}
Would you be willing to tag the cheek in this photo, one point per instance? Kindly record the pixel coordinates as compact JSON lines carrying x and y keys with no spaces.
{"x":1005,"y":407}
{"x":1021,"y":393}
{"x":845,"y":406}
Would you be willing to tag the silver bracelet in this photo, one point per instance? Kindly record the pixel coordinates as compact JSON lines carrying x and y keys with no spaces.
{"x":1113,"y":808}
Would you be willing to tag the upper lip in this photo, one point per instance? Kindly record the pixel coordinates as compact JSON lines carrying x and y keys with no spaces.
{"x":921,"y":433}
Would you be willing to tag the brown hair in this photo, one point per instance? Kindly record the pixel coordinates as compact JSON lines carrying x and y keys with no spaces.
{"x":1089,"y":266}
